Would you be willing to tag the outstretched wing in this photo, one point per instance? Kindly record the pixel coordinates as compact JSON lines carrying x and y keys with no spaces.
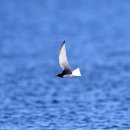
{"x":63,"y":58}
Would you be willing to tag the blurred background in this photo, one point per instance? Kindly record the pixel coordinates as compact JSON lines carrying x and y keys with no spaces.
{"x":97,"y":35}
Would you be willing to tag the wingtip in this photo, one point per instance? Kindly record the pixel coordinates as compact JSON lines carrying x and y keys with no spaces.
{"x":63,"y":41}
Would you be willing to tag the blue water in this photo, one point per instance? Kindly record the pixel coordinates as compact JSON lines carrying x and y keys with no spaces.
{"x":97,"y":35}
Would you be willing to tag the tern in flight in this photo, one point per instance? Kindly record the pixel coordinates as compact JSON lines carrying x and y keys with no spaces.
{"x":67,"y":72}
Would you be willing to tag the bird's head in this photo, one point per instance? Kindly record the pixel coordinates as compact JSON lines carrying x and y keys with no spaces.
{"x":60,"y":75}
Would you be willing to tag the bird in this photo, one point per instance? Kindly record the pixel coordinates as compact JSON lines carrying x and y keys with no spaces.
{"x":63,"y":62}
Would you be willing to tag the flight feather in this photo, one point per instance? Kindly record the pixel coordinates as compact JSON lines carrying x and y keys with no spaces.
{"x":63,"y":58}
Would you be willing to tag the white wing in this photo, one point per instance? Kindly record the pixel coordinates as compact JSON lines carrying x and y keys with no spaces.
{"x":63,"y":58}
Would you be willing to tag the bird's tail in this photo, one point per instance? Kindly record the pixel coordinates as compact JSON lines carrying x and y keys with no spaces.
{"x":76,"y":72}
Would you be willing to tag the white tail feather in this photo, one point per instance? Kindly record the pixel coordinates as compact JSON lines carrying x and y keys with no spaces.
{"x":76,"y":72}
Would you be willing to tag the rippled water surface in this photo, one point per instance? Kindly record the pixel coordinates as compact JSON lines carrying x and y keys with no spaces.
{"x":97,"y":35}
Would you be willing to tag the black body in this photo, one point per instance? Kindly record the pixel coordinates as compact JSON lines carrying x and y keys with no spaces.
{"x":64,"y":73}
